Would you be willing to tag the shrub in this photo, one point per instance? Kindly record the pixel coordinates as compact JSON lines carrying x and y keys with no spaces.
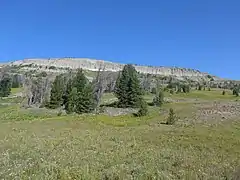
{"x":154,"y":90}
{"x":158,"y":99}
{"x":172,"y":118}
{"x":224,"y":92}
{"x":199,"y":87}
{"x":236,"y":91}
{"x":171,"y":91}
{"x":186,"y":88}
{"x":143,"y":111}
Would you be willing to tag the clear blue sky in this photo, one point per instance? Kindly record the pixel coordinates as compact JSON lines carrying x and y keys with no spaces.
{"x":201,"y":34}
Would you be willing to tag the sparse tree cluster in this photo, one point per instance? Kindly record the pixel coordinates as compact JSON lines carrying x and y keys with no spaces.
{"x":76,"y":95}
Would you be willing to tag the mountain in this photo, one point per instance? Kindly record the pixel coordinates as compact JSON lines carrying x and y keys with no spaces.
{"x":60,"y":64}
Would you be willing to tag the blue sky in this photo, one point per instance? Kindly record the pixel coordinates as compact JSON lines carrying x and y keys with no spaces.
{"x":200,"y":34}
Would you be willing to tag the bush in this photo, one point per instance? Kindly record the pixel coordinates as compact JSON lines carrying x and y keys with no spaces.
{"x":236,"y":92}
{"x":199,"y":87}
{"x":143,"y":111}
{"x":172,"y":118}
{"x":154,"y":90}
{"x":158,"y":99}
{"x":171,"y":91}
{"x":223,"y":93}
{"x":186,"y":88}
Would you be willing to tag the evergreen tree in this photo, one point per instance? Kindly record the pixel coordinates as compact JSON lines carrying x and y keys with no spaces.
{"x":56,"y":98}
{"x":128,"y":89}
{"x":236,"y":91}
{"x":224,"y":92}
{"x":68,"y":96}
{"x":79,"y":94}
{"x":143,"y":111}
{"x":5,"y":87}
{"x":172,"y":118}
{"x":85,"y":100}
{"x":159,"y":99}
{"x":80,"y":81}
{"x":15,"y":81}
{"x":186,"y":88}
{"x":71,"y":101}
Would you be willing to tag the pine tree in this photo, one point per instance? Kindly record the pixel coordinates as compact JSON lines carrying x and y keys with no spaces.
{"x":84,"y":100}
{"x":68,"y":98}
{"x":186,"y":88}
{"x":15,"y":81}
{"x":5,"y":87}
{"x":143,"y":111}
{"x":128,"y":89}
{"x":172,"y":118}
{"x":79,"y":94}
{"x":224,"y":92}
{"x":56,"y":98}
{"x":71,"y":101}
{"x":80,"y":81}
{"x":236,"y":91}
{"x":159,"y":99}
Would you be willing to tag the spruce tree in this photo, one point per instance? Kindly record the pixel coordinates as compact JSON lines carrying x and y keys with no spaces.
{"x":172,"y":118}
{"x":79,"y":94}
{"x":15,"y":81}
{"x":80,"y":81}
{"x":159,"y":99}
{"x":68,"y":96}
{"x":5,"y":87}
{"x":143,"y":111}
{"x":84,"y":100}
{"x":56,"y":98}
{"x":128,"y":89}
{"x":71,"y":101}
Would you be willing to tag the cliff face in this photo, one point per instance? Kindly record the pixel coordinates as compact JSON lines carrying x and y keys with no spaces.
{"x":94,"y":65}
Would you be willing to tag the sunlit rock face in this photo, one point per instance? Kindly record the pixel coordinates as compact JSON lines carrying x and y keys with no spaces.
{"x":94,"y":65}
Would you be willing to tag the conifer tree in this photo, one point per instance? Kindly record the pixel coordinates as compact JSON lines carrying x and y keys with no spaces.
{"x":15,"y":81}
{"x":71,"y":101}
{"x":143,"y":111}
{"x":80,"y":81}
{"x":128,"y":89}
{"x":56,"y":98}
{"x":68,"y":96}
{"x":5,"y":87}
{"x":84,"y":100}
{"x":79,"y":94}
{"x":159,"y":99}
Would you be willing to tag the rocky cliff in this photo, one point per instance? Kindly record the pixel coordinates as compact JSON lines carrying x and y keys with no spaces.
{"x":94,"y":65}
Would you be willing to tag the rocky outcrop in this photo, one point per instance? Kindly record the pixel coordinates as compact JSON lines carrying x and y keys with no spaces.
{"x":94,"y":65}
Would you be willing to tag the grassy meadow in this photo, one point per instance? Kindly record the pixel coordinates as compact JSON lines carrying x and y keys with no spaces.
{"x":203,"y":144}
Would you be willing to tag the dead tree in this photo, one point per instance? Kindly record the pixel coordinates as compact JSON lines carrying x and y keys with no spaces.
{"x":36,"y":90}
{"x":99,"y":86}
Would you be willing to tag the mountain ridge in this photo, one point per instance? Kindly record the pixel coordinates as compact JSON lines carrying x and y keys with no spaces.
{"x":95,"y":64}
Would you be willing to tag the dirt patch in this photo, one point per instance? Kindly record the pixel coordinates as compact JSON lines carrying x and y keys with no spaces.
{"x":218,"y":111}
{"x":111,"y":111}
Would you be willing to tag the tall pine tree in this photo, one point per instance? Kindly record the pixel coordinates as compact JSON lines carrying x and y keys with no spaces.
{"x":56,"y":98}
{"x":128,"y":89}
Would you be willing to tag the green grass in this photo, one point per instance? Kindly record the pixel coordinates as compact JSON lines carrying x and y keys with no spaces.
{"x":214,"y":94}
{"x":38,"y":144}
{"x":16,"y":90}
